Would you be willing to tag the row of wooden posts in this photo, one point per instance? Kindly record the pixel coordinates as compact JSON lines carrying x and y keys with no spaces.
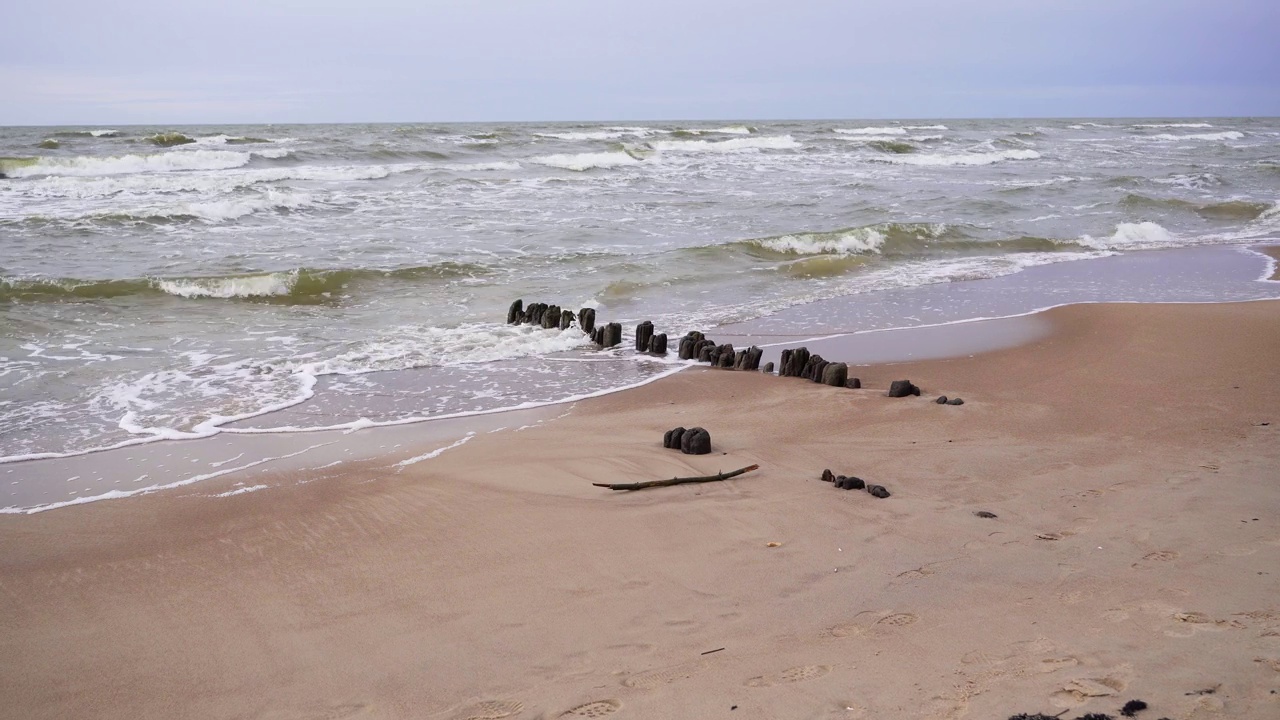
{"x":795,"y":362}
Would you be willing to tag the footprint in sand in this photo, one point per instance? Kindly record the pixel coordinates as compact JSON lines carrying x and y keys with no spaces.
{"x":796,"y":674}
{"x":650,"y":679}
{"x":599,"y":708}
{"x":1189,"y":623}
{"x":1081,"y":690}
{"x":897,"y":620}
{"x":490,"y":710}
{"x":1161,"y":556}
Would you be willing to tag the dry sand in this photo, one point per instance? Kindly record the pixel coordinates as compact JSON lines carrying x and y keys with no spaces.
{"x":1136,"y":554}
{"x":1274,"y":252}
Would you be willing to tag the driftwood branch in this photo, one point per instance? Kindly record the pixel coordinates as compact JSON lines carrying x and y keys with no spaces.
{"x":677,"y":480}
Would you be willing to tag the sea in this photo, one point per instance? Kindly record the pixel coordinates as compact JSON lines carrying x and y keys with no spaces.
{"x":163,"y":284}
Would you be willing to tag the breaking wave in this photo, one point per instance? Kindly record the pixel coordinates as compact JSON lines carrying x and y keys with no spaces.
{"x":170,"y":139}
{"x":1228,"y":135}
{"x":1132,"y":236}
{"x":1173,"y":125}
{"x":973,"y":158}
{"x":872,"y":131}
{"x":581,"y":162}
{"x":301,"y":286}
{"x":744,"y":144}
{"x":125,"y":164}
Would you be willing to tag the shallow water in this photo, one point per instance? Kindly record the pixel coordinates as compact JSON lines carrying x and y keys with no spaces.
{"x":267,"y":276}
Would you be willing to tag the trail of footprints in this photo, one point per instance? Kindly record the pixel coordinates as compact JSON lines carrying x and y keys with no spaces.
{"x":498,"y":709}
{"x":796,"y":674}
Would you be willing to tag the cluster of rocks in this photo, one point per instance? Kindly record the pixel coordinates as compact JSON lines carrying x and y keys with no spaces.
{"x":1130,"y":709}
{"x":547,"y":316}
{"x":849,"y":482}
{"x":647,"y":341}
{"x":694,"y":441}
{"x":695,"y":346}
{"x":943,"y":400}
{"x":799,"y":362}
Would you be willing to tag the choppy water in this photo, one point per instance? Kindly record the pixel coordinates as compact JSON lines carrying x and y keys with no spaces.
{"x":180,"y":282}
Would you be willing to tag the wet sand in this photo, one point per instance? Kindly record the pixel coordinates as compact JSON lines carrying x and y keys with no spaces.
{"x":1272,"y":251}
{"x":1130,"y":457}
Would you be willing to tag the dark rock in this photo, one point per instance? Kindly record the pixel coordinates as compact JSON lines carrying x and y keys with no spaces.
{"x":853,"y":383}
{"x":739,"y":359}
{"x":725,"y":356}
{"x":793,"y":362}
{"x":985,"y":514}
{"x":852,"y":483}
{"x":819,"y":367}
{"x":878,"y":491}
{"x":768,"y":368}
{"x":835,"y":374}
{"x":587,"y":320}
{"x":551,"y":317}
{"x":1133,"y":707}
{"x":3,"y":176}
{"x":955,"y":401}
{"x":942,"y":400}
{"x":902,"y":388}
{"x":828,"y":476}
{"x":1037,"y":716}
{"x":672,"y":438}
{"x":1095,"y":716}
{"x":752,"y":361}
{"x":535,"y":313}
{"x":686,"y":348}
{"x":644,"y":332}
{"x":695,"y":441}
{"x":704,"y":351}
{"x":515,"y":313}
{"x":566,"y":319}
{"x":840,"y":481}
{"x":597,"y":336}
{"x":658,"y":344}
{"x":806,"y":370}
{"x":612,"y":334}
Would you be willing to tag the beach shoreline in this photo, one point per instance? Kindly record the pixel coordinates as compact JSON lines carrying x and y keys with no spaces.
{"x":1129,"y":457}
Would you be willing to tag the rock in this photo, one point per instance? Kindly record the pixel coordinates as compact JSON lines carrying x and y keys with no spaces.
{"x":566,"y":320}
{"x":695,"y":441}
{"x":902,"y":388}
{"x":725,"y":356}
{"x":551,"y":317}
{"x":587,"y":320}
{"x":815,"y":372}
{"x":806,"y":370}
{"x":3,"y":176}
{"x":1132,"y":708}
{"x":839,"y":482}
{"x":942,"y":400}
{"x":955,"y":401}
{"x":515,"y":313}
{"x":739,"y":359}
{"x":835,"y":374}
{"x":752,"y":361}
{"x":985,"y":514}
{"x":597,"y":336}
{"x":793,"y":362}
{"x":612,"y":334}
{"x":852,"y":483}
{"x":828,"y":476}
{"x":672,"y":438}
{"x":658,"y":344}
{"x":878,"y":491}
{"x":704,"y":351}
{"x":853,"y":383}
{"x":644,"y":332}
{"x":768,"y":368}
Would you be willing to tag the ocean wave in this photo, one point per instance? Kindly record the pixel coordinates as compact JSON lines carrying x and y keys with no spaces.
{"x":745,"y":144}
{"x":972,"y":158}
{"x":869,"y":239}
{"x":871,"y":131}
{"x":58,"y":186}
{"x":1228,"y":135}
{"x":1236,"y":210}
{"x":300,"y":286}
{"x":581,"y":162}
{"x":1173,"y":125}
{"x":892,"y":146}
{"x":926,"y":127}
{"x":611,"y":133}
{"x":169,"y":139}
{"x":1132,"y":236}
{"x":49,"y":144}
{"x":87,"y":165}
{"x":87,"y":133}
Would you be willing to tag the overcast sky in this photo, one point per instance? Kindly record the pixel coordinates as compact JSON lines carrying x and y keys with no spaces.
{"x":171,"y":62}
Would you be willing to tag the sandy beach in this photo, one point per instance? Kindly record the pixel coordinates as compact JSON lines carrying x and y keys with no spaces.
{"x":1130,"y":459}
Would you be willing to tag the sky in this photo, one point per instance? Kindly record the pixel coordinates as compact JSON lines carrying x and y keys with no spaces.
{"x":87,"y":62}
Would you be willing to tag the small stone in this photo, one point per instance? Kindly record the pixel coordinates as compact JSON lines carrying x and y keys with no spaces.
{"x":878,"y":491}
{"x":854,"y":483}
{"x":955,"y":401}
{"x":1132,"y":708}
{"x":695,"y":441}
{"x":828,"y":476}
{"x":985,"y":514}
{"x":902,"y":388}
{"x":853,"y":383}
{"x":942,"y":400}
{"x":768,"y":368}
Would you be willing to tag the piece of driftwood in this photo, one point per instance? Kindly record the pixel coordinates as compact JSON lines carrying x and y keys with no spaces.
{"x":677,"y":480}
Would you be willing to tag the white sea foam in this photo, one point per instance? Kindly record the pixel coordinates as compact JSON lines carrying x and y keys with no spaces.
{"x":242,"y":490}
{"x":435,"y":453}
{"x":1228,"y":135}
{"x":1132,"y":236}
{"x":980,"y":158}
{"x":927,"y":127}
{"x":1174,"y":125}
{"x":745,"y":144}
{"x":124,"y":164}
{"x":216,"y":211}
{"x":580,"y":162}
{"x":205,"y":183}
{"x":245,"y":286}
{"x":486,"y":166}
{"x":849,"y":242}
{"x":872,"y":131}
{"x":733,"y":130}
{"x":104,"y":133}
